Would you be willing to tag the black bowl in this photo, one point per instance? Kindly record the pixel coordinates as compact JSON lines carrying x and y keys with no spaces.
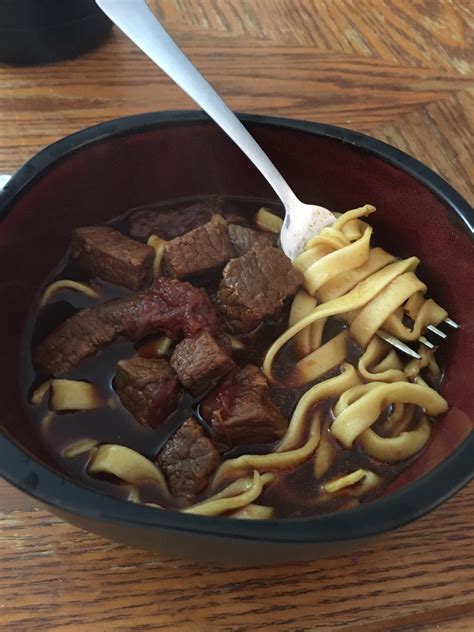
{"x":100,"y":172}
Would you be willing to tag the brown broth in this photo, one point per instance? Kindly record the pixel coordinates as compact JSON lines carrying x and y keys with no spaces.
{"x":292,"y":494}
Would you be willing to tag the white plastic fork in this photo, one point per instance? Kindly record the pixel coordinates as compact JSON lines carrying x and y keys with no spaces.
{"x":135,"y":19}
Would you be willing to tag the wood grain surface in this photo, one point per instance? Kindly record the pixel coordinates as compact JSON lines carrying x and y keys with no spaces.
{"x":401,"y":70}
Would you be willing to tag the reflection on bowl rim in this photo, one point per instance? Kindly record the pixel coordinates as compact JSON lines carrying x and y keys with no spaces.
{"x":375,"y":517}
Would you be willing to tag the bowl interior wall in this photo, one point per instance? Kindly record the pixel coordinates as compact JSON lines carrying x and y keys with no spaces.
{"x":104,"y":179}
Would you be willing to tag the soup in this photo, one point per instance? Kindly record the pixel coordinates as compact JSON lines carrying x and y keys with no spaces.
{"x":177,"y":358}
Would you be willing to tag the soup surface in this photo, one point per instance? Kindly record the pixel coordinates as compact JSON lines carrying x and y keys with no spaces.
{"x":177,"y":358}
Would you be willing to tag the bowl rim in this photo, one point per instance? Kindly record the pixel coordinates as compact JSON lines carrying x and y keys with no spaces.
{"x":376,"y":517}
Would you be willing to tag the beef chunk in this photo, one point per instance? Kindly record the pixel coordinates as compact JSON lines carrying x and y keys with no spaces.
{"x":81,"y":336}
{"x":105,"y":253}
{"x":171,"y":306}
{"x":148,"y":388}
{"x":200,"y":361}
{"x":255,"y":285}
{"x":200,"y":251}
{"x":175,"y":307}
{"x":242,"y":412}
{"x":244,"y":239}
{"x":171,"y":223}
{"x":188,"y":459}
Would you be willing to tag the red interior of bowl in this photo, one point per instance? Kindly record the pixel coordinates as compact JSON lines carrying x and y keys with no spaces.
{"x":105,"y":179}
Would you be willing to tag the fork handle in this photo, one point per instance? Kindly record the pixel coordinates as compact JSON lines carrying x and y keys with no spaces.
{"x":137,"y":21}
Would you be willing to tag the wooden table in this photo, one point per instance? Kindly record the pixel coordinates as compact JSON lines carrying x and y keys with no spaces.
{"x":398,"y":69}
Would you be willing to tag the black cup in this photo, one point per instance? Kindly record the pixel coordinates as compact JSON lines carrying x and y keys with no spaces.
{"x":44,"y":31}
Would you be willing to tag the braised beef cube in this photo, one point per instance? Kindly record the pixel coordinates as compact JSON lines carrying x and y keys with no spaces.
{"x":148,"y":388}
{"x":255,"y":286}
{"x":177,"y":308}
{"x":200,"y":251}
{"x":200,"y":361}
{"x":244,"y":239}
{"x":81,"y":336}
{"x":242,"y":412}
{"x":171,"y":223}
{"x":188,"y":460}
{"x":105,"y":253}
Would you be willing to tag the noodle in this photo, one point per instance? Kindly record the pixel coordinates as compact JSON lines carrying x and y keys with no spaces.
{"x":310,"y":337}
{"x":226,"y":500}
{"x":323,"y":359}
{"x":73,"y":395}
{"x":342,"y":283}
{"x":325,"y":268}
{"x":344,"y":481}
{"x":126,"y":464}
{"x":356,"y":484}
{"x":428,"y":313}
{"x":273,"y":461}
{"x":358,"y":410}
{"x":40,"y":393}
{"x":324,"y":456}
{"x":158,"y":246}
{"x":155,"y":347}
{"x":67,"y":284}
{"x":356,"y":298}
{"x":380,"y":363}
{"x":268,"y":221}
{"x":392,"y":449}
{"x":371,"y":317}
{"x":253,"y":512}
{"x":80,"y":447}
{"x":319,"y":392}
{"x":369,"y":290}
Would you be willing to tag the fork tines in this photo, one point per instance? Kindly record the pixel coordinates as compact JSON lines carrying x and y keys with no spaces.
{"x":436,"y":331}
{"x":404,"y":348}
{"x":451,"y":323}
{"x":398,"y":344}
